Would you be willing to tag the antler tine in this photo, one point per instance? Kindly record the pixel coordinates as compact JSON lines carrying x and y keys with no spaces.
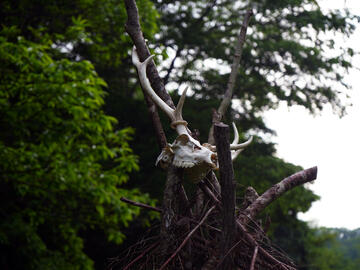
{"x":141,"y":67}
{"x":236,"y":135}
{"x":235,"y":153}
{"x":175,"y":116}
{"x":242,"y":145}
{"x":179,"y":107}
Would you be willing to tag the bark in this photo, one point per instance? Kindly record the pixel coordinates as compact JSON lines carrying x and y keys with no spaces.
{"x":142,"y":205}
{"x":276,"y":191}
{"x":172,"y":208}
{"x":132,"y":27}
{"x":217,"y":115}
{"x":175,"y":202}
{"x":227,"y":183}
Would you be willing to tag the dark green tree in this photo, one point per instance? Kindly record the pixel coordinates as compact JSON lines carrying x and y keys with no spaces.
{"x":283,"y":60}
{"x":62,"y":164}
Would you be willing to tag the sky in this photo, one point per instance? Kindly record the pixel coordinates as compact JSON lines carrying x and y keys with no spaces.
{"x":326,"y":141}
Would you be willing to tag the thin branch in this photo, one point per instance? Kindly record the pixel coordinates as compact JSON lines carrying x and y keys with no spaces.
{"x":132,"y":27}
{"x":142,"y":205}
{"x":208,"y":192}
{"x":263,"y":252}
{"x":235,"y":66}
{"x":217,"y":116}
{"x":172,"y":65}
{"x":188,"y":237}
{"x":253,"y":260}
{"x":276,"y":191}
{"x":141,"y":255}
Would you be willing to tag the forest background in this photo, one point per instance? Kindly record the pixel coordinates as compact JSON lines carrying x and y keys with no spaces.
{"x":75,"y":136}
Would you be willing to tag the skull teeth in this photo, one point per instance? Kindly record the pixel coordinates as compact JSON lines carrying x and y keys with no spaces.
{"x":183,"y":164}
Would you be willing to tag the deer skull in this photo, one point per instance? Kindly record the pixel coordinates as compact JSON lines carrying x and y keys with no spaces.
{"x":185,"y":152}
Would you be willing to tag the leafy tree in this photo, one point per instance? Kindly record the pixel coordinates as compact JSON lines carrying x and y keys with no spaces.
{"x":283,"y":60}
{"x":62,"y":164}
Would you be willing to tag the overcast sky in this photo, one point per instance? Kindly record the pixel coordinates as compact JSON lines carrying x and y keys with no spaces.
{"x":328,"y":142}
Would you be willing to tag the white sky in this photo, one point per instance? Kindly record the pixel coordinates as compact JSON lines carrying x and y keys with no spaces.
{"x":328,"y":142}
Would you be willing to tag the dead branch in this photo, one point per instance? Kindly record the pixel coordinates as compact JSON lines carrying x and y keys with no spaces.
{"x":252,"y":265}
{"x":188,"y":237}
{"x":132,"y":27}
{"x":217,"y":115}
{"x":142,"y":205}
{"x":276,"y":191}
{"x":227,"y":183}
{"x":268,"y":256}
{"x":141,"y":255}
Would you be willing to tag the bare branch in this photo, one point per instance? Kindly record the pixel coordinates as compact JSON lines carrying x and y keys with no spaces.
{"x":235,"y":66}
{"x":262,"y":251}
{"x":142,"y":205}
{"x":277,"y":190}
{"x":133,"y":29}
{"x":252,"y":265}
{"x":188,"y":237}
{"x":141,"y":255}
{"x":234,"y":71}
{"x":221,"y":132}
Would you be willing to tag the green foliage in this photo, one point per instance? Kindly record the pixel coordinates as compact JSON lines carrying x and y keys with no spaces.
{"x":285,"y":58}
{"x":63,"y":167}
{"x":332,"y":249}
{"x":62,"y":164}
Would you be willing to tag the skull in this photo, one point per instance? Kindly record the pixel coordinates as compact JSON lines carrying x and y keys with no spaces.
{"x":187,"y":153}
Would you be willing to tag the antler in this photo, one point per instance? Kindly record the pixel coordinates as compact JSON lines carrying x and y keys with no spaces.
{"x":178,"y":123}
{"x":235,"y":146}
{"x":185,"y":152}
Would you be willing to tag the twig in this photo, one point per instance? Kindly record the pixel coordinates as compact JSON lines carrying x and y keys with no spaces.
{"x":229,"y":252}
{"x":252,"y":265}
{"x":217,"y":115}
{"x":208,"y":192}
{"x":235,"y":66}
{"x":123,"y":199}
{"x":140,"y":256}
{"x":188,"y":237}
{"x":253,"y":242}
{"x":276,"y":191}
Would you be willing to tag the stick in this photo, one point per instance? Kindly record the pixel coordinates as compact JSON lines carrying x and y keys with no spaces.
{"x":252,"y":241}
{"x":276,"y":191}
{"x":187,"y":237}
{"x":132,"y":27}
{"x":123,"y":199}
{"x":140,"y":256}
{"x":252,"y":265}
{"x":217,"y":115}
{"x":221,"y":132}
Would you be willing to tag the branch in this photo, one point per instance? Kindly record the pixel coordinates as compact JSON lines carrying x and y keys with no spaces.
{"x":141,"y":205}
{"x":277,"y":190}
{"x":252,"y":265}
{"x":263,"y":252}
{"x":221,"y":132}
{"x":188,"y":237}
{"x":141,"y":255}
{"x":235,"y":66}
{"x":217,"y":116}
{"x":132,"y":27}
